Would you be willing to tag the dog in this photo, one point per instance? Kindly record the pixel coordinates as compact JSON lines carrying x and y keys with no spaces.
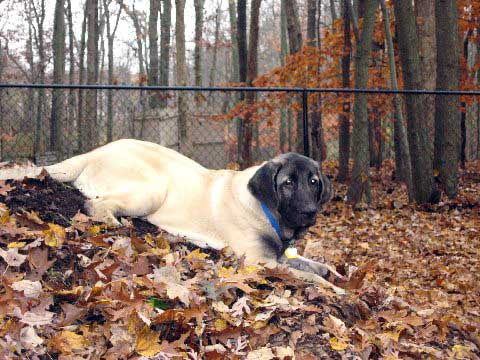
{"x":259,"y":212}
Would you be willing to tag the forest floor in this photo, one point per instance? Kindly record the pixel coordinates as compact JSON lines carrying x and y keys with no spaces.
{"x":70,"y":287}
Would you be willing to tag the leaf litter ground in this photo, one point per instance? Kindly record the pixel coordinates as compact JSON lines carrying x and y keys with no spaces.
{"x":72,"y":288}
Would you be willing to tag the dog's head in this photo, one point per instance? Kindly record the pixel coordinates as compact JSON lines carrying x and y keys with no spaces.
{"x":293,"y":186}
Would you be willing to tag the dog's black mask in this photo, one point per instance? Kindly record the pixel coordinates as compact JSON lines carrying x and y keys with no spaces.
{"x":292,"y":187}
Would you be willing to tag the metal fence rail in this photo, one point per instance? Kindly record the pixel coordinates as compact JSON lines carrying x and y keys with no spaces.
{"x":47,"y":123}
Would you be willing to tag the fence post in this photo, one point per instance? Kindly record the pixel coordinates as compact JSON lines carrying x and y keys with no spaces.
{"x":306,"y":143}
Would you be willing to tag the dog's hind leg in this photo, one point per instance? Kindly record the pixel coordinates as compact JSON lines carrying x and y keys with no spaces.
{"x":104,"y":210}
{"x":126,"y":203}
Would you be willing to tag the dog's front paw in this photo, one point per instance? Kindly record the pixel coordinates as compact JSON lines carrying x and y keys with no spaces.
{"x":327,"y":272}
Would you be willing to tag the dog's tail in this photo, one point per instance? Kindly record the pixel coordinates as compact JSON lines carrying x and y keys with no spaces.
{"x":65,"y":171}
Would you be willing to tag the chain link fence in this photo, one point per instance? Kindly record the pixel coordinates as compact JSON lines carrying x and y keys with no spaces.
{"x":47,"y":123}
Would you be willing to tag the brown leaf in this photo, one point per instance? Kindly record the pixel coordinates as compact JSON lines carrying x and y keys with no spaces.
{"x":12,"y":257}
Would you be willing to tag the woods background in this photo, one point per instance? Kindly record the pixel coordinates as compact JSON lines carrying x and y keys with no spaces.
{"x":426,"y":44}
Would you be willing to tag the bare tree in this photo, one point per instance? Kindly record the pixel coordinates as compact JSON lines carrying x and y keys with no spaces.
{"x":58,"y":104}
{"x":213,"y":69}
{"x":153,"y":48}
{"x":285,"y":122}
{"x":90,"y":133}
{"x":135,"y":17}
{"x":344,"y":117}
{"x":360,"y":178}
{"x":110,"y":38}
{"x":69,"y":125}
{"x":199,"y":5}
{"x":402,"y":153}
{"x":242,"y":67}
{"x":81,"y":80}
{"x":181,"y":75}
{"x":166,"y":18}
{"x":318,"y":142}
{"x":418,"y":135}
{"x":447,"y":120}
{"x":233,"y":34}
{"x":295,"y":43}
{"x":425,"y":21}
{"x":42,"y":63}
{"x":252,"y":70}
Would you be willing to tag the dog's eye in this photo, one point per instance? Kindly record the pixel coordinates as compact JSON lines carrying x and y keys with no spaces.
{"x":313,"y":181}
{"x":289,"y":182}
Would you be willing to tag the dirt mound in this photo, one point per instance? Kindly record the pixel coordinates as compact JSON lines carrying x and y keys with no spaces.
{"x":55,"y":202}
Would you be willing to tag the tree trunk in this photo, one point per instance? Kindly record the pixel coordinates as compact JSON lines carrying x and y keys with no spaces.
{"x":2,"y":67}
{"x":344,"y":118}
{"x":70,"y":123}
{"x":81,"y":80}
{"x":447,"y":121}
{"x":333,"y":12}
{"x":360,"y":177}
{"x":199,"y":4}
{"x":139,"y":36}
{"x":233,"y":33}
{"x":318,"y":151}
{"x":181,"y":75}
{"x":463,"y":106}
{"x":110,"y":39}
{"x":252,"y":71}
{"x":418,"y":135}
{"x":153,"y":49}
{"x":166,"y":21}
{"x":402,"y":153}
{"x":425,"y":20}
{"x":295,"y":43}
{"x":90,"y":134}
{"x":213,"y":69}
{"x":283,"y":54}
{"x":58,"y":104}
{"x":478,"y":99}
{"x":242,"y":67}
{"x":42,"y":62}
{"x":235,"y":76}
{"x":30,"y":101}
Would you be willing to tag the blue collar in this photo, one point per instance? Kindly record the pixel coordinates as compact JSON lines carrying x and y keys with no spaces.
{"x":271,"y":219}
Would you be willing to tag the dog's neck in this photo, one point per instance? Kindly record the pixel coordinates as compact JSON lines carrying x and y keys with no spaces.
{"x":254,"y":207}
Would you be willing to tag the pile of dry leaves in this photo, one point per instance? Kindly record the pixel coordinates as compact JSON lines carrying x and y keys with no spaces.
{"x":71,"y":287}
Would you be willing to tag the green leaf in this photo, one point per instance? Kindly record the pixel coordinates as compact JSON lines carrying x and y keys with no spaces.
{"x":157,"y":303}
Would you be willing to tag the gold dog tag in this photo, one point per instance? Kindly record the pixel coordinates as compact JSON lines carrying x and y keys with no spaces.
{"x":291,"y":253}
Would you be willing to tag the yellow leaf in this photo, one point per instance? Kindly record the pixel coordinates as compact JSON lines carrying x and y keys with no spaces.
{"x":147,"y":342}
{"x":259,"y":324}
{"x":162,"y":243}
{"x":226,"y":272}
{"x":461,"y":351}
{"x":77,"y":291}
{"x":54,"y":236}
{"x":16,"y":244}
{"x":220,"y":324}
{"x":149,"y":240}
{"x":394,"y":335}
{"x":4,"y":217}
{"x":158,"y":252}
{"x":94,"y":230}
{"x":196,"y":254}
{"x":66,"y":341}
{"x":337,"y":345}
{"x":248,"y":269}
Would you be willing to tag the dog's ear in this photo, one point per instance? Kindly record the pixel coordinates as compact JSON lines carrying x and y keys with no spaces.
{"x":326,"y":189}
{"x":263,"y":184}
